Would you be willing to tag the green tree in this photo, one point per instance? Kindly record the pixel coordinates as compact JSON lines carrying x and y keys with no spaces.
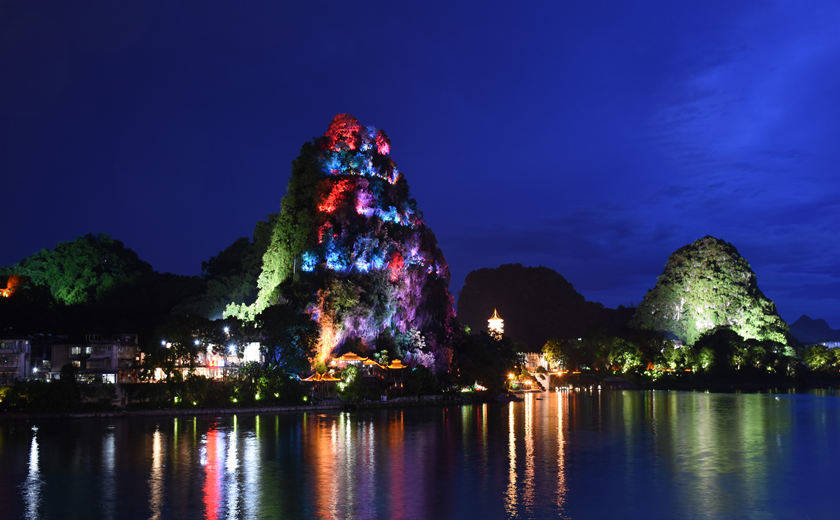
{"x":294,"y":230}
{"x":819,"y":358}
{"x":351,"y":387}
{"x":717,"y":350}
{"x":627,"y":356}
{"x":84,"y":270}
{"x":289,"y":337}
{"x":554,"y":352}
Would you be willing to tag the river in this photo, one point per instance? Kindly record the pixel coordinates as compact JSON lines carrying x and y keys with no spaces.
{"x":589,"y":454}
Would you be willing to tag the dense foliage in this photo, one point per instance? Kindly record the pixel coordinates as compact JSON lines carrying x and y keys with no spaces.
{"x":705,"y":285}
{"x":536,"y":303}
{"x":351,"y":238}
{"x":820,"y":358}
{"x":720,"y":351}
{"x":84,"y":270}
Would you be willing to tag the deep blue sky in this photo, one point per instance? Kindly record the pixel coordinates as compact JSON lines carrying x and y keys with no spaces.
{"x":594,"y":139}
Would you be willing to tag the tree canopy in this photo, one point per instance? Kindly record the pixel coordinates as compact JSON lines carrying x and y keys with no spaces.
{"x":83,"y":270}
{"x":708,"y":284}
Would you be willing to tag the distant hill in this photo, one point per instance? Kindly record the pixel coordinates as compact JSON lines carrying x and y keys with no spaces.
{"x":808,"y":330}
{"x":708,"y":284}
{"x":537,"y":304}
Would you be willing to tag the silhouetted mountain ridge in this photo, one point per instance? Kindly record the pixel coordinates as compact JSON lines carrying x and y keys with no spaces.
{"x":537,"y":303}
{"x":809,"y":330}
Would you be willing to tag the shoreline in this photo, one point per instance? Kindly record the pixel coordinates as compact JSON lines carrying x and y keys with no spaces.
{"x":400,"y":402}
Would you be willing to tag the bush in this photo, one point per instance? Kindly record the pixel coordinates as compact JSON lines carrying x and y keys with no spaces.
{"x":421,"y":381}
{"x":57,"y":396}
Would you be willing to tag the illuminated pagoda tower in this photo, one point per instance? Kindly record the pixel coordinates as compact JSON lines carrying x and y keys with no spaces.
{"x":352,"y":239}
{"x":496,"y":325}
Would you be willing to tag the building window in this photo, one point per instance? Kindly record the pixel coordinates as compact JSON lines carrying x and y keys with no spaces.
{"x":77,"y":364}
{"x":88,"y":350}
{"x":75,"y":351}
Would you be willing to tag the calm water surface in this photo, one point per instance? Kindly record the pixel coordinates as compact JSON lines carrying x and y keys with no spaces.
{"x":568,"y":455}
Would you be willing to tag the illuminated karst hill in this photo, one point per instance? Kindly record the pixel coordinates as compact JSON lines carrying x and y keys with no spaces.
{"x":351,"y":240}
{"x":708,"y":284}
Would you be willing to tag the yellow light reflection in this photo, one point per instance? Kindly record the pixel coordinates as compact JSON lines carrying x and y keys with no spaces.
{"x":528,"y":498}
{"x":156,"y":476}
{"x":562,"y":419}
{"x":320,"y":439}
{"x":510,"y":495}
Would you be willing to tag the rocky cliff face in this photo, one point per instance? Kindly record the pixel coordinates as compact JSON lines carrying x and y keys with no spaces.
{"x":708,"y":284}
{"x":350,"y":234}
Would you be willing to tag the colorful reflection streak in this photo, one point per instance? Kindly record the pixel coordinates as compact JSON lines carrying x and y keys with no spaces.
{"x":212,"y":470}
{"x":320,"y":445}
{"x":510,"y":493}
{"x":562,"y":422}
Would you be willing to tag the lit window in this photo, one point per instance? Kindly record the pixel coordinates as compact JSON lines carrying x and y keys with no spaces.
{"x":75,"y":351}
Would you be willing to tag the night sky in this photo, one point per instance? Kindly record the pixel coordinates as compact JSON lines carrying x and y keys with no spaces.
{"x":593,"y":139}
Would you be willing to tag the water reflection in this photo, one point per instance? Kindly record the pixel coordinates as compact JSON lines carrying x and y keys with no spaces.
{"x":32,"y":486}
{"x":562,"y":414}
{"x":251,"y":467}
{"x":156,"y":476}
{"x":528,"y":495}
{"x":510,"y":494}
{"x":559,"y":454}
{"x":231,"y":469}
{"x":212,"y":474}
{"x":109,"y":484}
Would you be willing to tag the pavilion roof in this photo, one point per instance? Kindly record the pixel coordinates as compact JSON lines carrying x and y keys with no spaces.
{"x":349,"y":357}
{"x":316,"y":377}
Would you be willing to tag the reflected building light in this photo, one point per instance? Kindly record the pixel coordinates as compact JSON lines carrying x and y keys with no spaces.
{"x":212,"y":470}
{"x":108,"y":478}
{"x":156,"y":476}
{"x":231,"y":472}
{"x":562,"y":412}
{"x":484,"y":454}
{"x":510,"y":495}
{"x":175,"y":440}
{"x":529,"y":451}
{"x":251,"y":467}
{"x":32,"y":486}
{"x":321,"y":448}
